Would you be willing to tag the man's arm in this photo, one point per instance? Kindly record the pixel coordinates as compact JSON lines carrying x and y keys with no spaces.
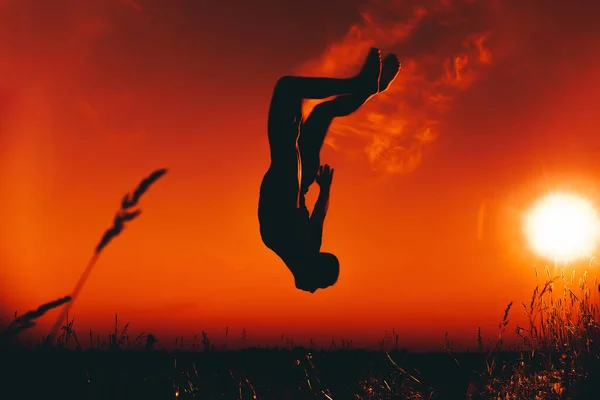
{"x":317,"y":219}
{"x":321,"y":206}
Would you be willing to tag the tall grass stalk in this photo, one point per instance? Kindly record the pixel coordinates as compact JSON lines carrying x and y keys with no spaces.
{"x":558,"y":346}
{"x":27,"y":320}
{"x":125,"y":214}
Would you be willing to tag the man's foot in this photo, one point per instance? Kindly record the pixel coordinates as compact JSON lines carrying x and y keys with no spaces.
{"x":389,"y":71}
{"x":368,"y":77}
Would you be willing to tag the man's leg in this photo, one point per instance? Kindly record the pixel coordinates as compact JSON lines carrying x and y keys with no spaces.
{"x":314,"y":129}
{"x":285,"y":113}
{"x":365,"y":82}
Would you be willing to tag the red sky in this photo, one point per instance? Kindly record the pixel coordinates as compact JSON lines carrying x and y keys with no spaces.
{"x":494,"y":107}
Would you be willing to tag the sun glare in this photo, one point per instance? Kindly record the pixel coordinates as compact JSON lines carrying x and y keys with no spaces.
{"x":563,"y":227}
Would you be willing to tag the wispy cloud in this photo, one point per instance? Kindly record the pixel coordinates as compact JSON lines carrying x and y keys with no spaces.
{"x":443,"y":46}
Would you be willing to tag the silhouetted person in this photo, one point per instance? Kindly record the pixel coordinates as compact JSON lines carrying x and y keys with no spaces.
{"x":286,"y":226}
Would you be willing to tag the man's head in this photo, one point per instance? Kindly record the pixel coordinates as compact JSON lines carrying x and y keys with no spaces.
{"x":318,"y":271}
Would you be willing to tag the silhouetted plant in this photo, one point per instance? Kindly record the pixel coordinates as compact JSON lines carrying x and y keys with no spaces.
{"x":205,"y":342}
{"x":558,"y":349}
{"x":123,"y":215}
{"x":27,"y":320}
{"x":150,"y":342}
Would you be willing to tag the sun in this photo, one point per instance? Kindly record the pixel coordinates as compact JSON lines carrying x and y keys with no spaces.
{"x":563,"y":227}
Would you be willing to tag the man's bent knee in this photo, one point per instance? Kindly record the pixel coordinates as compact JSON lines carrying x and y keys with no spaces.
{"x":327,"y":111}
{"x":284,"y":85}
{"x":286,"y":100}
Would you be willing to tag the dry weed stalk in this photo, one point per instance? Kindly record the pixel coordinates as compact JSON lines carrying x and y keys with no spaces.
{"x":27,"y":320}
{"x":125,"y":214}
{"x":558,"y":348}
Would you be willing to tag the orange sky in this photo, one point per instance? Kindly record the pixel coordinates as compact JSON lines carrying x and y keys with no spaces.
{"x":495,"y":105}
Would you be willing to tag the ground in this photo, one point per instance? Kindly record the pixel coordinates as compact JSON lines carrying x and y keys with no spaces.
{"x":266,"y":373}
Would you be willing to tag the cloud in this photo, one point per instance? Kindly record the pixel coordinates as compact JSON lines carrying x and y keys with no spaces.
{"x":443,"y":47}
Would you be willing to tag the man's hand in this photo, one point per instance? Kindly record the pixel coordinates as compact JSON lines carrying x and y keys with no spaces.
{"x":324,"y":176}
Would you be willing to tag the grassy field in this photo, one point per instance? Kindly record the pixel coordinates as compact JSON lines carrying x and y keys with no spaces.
{"x":247,"y":374}
{"x":294,"y":374}
{"x":556,"y":356}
